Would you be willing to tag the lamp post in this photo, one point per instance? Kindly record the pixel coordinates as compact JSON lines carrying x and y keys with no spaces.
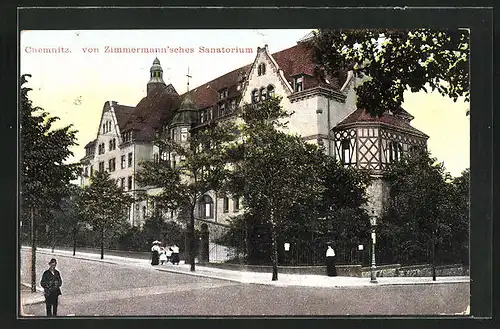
{"x":373,"y":223}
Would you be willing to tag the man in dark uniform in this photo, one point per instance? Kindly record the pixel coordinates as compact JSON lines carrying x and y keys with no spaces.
{"x":51,"y":284}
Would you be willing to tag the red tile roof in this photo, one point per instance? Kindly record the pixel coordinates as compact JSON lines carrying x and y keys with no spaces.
{"x":360,"y":115}
{"x":294,"y":60}
{"x":150,"y":114}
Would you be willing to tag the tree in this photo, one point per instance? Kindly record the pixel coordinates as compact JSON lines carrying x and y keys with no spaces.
{"x":276,"y":172}
{"x":104,"y":206}
{"x":418,"y":221}
{"x":67,"y":219}
{"x":202,"y":168}
{"x":395,"y":61}
{"x":44,"y":173}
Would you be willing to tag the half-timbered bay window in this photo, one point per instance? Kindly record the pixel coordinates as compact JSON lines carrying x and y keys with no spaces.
{"x":206,"y":207}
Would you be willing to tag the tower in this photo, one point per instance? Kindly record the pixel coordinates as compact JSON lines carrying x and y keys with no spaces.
{"x":156,"y":82}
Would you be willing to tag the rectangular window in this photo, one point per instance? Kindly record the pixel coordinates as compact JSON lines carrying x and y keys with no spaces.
{"x":299,"y":84}
{"x":233,"y":105}
{"x":202,"y":116}
{"x":222,"y":109}
{"x":184,"y":133}
{"x":123,"y":162}
{"x":225,"y":204}
{"x":101,"y":166}
{"x":112,"y":164}
{"x":91,"y":170}
{"x":101,"y":148}
{"x":174,"y":134}
{"x":346,"y":153}
{"x":129,"y":183}
{"x":155,"y":157}
{"x":130,"y":159}
{"x":236,"y":204}
{"x":122,"y":182}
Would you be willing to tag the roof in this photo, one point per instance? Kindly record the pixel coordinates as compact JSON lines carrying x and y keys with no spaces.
{"x":293,"y":61}
{"x":90,"y":144}
{"x":361,"y":115}
{"x":122,"y":113}
{"x":208,"y":93}
{"x":150,"y":114}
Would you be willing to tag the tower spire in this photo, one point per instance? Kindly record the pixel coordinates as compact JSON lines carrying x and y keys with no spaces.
{"x":188,"y":76}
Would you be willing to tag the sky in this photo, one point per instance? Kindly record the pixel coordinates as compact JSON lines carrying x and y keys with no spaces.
{"x":75,"y":82}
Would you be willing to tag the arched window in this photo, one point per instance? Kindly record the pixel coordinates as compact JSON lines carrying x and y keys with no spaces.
{"x":206,"y":207}
{"x":255,"y":96}
{"x":263,"y":94}
{"x":261,"y":69}
{"x":270,"y":91}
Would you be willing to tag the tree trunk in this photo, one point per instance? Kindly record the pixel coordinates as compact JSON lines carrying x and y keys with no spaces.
{"x":433,"y":261}
{"x":102,"y":242}
{"x":33,"y":251}
{"x":53,"y":233}
{"x":191,"y":241}
{"x":274,"y":245}
{"x":74,"y":240}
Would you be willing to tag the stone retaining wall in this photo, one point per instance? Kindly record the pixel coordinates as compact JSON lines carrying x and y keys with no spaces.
{"x":393,"y":270}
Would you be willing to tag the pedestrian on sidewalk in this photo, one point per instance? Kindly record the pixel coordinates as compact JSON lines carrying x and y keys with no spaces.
{"x":330,"y":261}
{"x":155,"y":254}
{"x":51,"y":284}
{"x":168,"y":253}
{"x":175,"y":255}
{"x":163,"y":255}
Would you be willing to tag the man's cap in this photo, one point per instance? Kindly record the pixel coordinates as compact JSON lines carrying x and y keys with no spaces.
{"x":53,"y":261}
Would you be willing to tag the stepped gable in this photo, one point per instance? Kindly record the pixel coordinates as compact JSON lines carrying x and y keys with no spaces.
{"x":151,"y":113}
{"x":360,"y":115}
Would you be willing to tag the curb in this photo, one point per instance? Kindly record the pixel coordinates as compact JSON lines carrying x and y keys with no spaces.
{"x":270,"y":283}
{"x":35,"y":300}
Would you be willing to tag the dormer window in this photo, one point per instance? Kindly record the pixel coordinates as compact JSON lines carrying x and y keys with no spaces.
{"x":298,"y":84}
{"x":255,"y":96}
{"x":261,"y":69}
{"x":223,"y":94}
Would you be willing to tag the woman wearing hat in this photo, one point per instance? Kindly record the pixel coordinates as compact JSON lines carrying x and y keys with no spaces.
{"x":51,"y":284}
{"x":155,"y":254}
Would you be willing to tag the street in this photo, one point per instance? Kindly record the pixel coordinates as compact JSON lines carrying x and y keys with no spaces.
{"x":92,"y":288}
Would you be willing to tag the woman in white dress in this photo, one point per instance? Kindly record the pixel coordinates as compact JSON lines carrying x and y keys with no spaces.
{"x":163,"y":255}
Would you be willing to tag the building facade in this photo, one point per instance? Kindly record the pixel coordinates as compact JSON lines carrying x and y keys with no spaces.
{"x":324,"y":110}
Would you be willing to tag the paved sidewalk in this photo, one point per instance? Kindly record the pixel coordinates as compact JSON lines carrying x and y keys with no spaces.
{"x":259,"y":278}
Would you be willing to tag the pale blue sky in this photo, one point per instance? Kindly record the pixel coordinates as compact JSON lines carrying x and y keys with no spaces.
{"x":74,"y":86}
